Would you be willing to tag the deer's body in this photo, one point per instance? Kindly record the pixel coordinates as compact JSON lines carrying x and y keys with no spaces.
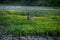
{"x":30,"y":16}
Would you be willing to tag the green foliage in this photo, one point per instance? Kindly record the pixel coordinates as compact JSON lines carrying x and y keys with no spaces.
{"x":35,"y":12}
{"x":19,"y":25}
{"x":52,"y":3}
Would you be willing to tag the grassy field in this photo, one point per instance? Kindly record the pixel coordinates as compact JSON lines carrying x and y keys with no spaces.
{"x":45,"y":22}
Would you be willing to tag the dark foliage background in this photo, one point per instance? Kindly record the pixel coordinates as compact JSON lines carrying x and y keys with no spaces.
{"x":32,"y":2}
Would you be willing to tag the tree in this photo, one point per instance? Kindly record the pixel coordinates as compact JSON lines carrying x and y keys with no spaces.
{"x":51,"y":3}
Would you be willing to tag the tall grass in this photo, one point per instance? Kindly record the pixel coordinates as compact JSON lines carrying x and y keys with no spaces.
{"x":17,"y":24}
{"x":35,"y":12}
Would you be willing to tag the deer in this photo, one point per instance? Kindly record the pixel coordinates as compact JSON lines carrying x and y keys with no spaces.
{"x":30,"y":16}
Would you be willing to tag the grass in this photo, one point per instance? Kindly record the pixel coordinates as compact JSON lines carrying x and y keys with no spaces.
{"x":35,"y":12}
{"x":16,"y":23}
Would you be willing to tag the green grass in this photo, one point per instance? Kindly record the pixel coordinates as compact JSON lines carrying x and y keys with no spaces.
{"x":35,"y":12}
{"x":16,"y":23}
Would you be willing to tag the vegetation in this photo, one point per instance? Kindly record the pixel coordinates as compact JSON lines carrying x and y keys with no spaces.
{"x":16,"y":23}
{"x":52,"y":3}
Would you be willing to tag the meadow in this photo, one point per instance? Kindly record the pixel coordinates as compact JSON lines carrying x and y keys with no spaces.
{"x":46,"y":22}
